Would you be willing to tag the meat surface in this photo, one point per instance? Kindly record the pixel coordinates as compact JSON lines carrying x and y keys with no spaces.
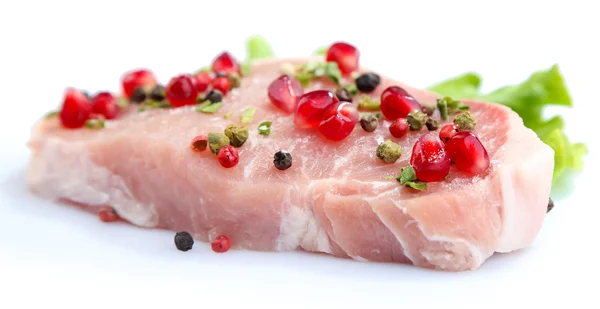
{"x":334,"y":199}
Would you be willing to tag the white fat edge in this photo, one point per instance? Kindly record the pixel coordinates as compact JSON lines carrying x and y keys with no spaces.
{"x":63,"y":171}
{"x":475,"y":250}
{"x":300,"y":227}
{"x":358,"y":258}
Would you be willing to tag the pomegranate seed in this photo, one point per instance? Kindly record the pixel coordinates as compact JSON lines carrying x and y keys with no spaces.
{"x":311,"y":107}
{"x":345,"y":55}
{"x":181,"y":90}
{"x":468,"y":153}
{"x":199,"y":143}
{"x":138,"y":78}
{"x":203,"y":80}
{"x":429,"y":159}
{"x":106,"y":105}
{"x":284,"y":93}
{"x":222,"y":83}
{"x":221,"y":244}
{"x":338,"y":121}
{"x":76,"y":109}
{"x":228,"y":156}
{"x":397,"y":103}
{"x":399,"y":127}
{"x":225,"y":63}
{"x":108,"y":214}
{"x":448,"y":131}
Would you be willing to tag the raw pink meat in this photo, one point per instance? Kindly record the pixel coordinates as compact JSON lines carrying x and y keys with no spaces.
{"x":334,"y":199}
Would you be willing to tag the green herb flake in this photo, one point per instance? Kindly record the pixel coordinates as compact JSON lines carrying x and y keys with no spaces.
{"x":208,"y":107}
{"x":318,"y":69}
{"x":226,"y":116}
{"x":248,"y":115}
{"x":264,"y":128}
{"x":333,"y":72}
{"x":389,"y":177}
{"x":408,"y":178}
{"x":352,"y":89}
{"x":303,"y":78}
{"x":151,"y":104}
{"x":321,"y":51}
{"x":377,"y":115}
{"x":368,"y":103}
{"x":51,"y":114}
{"x":442,"y":106}
{"x":94,"y":124}
{"x":122,"y":102}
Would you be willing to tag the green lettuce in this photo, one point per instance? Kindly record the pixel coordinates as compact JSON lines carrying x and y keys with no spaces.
{"x":528,"y":99}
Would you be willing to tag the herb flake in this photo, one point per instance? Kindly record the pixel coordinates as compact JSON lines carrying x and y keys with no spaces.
{"x":368,"y":103}
{"x":208,"y":107}
{"x":248,"y":115}
{"x":408,"y":177}
{"x":94,"y":124}
{"x":264,"y":128}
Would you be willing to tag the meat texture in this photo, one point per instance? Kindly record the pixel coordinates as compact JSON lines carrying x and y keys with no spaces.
{"x":334,"y":199}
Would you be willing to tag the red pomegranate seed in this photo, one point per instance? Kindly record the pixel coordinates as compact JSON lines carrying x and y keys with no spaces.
{"x":199,"y":143}
{"x":468,"y":153}
{"x":397,"y":103}
{"x":76,"y":109}
{"x":338,"y":121}
{"x":429,"y":159}
{"x":228,"y":156}
{"x":399,"y":127}
{"x":311,"y":107}
{"x":448,"y":131}
{"x":108,"y":214}
{"x":181,"y":90}
{"x":203,"y":80}
{"x":221,"y":244}
{"x":138,"y":78}
{"x":345,"y":55}
{"x":284,"y":93}
{"x":225,"y":63}
{"x":105,"y":104}
{"x":222,"y":84}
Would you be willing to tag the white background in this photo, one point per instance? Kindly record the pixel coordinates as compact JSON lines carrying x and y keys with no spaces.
{"x":54,"y":255}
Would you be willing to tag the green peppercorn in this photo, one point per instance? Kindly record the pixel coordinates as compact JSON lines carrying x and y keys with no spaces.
{"x":157,"y":93}
{"x":369,"y":123}
{"x":432,"y":124}
{"x":343,"y":94}
{"x":465,"y":121}
{"x":389,"y":151}
{"x":416,"y":119}
{"x":138,"y":95}
{"x":216,"y":141}
{"x":237,"y":135}
{"x":234,"y":79}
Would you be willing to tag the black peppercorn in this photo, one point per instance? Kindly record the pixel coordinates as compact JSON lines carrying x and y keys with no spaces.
{"x":184,"y":241}
{"x":343,"y":95}
{"x":367,"y":82}
{"x":550,"y":205}
{"x":369,"y":123}
{"x":221,"y":74}
{"x":432,"y":124}
{"x":157,"y":93}
{"x":138,"y":95}
{"x":214,"y":96}
{"x":282,"y":160}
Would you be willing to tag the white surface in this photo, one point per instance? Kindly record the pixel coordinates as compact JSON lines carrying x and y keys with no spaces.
{"x":51,"y":254}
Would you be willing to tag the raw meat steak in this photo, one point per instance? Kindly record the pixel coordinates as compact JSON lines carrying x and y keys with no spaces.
{"x":334,"y":199}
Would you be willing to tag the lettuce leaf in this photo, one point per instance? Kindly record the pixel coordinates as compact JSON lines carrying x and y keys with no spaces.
{"x":528,"y":99}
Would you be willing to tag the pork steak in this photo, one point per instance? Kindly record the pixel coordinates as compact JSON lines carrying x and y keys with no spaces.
{"x":334,"y":199}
